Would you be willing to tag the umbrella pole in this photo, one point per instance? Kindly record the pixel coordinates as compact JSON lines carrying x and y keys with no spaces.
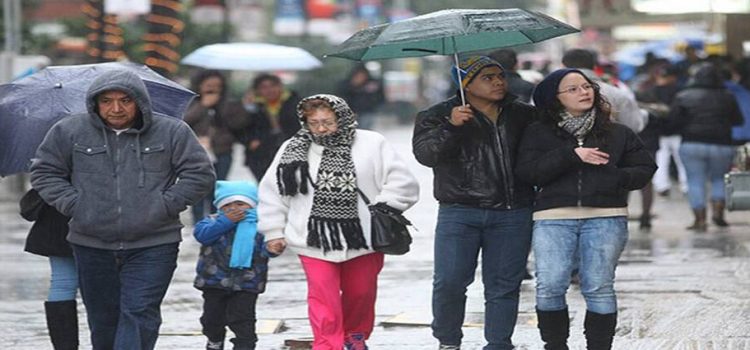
{"x":458,"y":74}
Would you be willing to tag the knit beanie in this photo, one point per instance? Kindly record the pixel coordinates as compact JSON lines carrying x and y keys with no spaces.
{"x":229,"y":191}
{"x":545,"y":92}
{"x":470,"y":66}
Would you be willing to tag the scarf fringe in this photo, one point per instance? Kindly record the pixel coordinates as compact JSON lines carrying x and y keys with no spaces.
{"x":326,"y":234}
{"x":287,"y":180}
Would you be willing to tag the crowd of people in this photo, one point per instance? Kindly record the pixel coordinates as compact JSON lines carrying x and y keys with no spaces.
{"x":519,"y":167}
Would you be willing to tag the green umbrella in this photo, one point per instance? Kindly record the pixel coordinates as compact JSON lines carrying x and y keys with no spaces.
{"x":449,"y":32}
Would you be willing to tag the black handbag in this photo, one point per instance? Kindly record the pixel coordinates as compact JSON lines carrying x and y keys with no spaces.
{"x":389,"y":234}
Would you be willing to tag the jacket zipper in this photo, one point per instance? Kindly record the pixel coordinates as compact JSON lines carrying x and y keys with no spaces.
{"x":117,"y":189}
{"x":508,"y":181}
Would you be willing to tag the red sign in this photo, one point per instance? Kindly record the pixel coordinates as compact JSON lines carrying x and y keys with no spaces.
{"x":321,"y":8}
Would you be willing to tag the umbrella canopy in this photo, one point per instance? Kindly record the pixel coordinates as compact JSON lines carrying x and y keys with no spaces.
{"x":251,"y":57}
{"x":31,"y":105}
{"x":450,"y":32}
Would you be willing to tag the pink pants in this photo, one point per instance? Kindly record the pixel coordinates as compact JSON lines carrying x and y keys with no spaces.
{"x":341,"y":298}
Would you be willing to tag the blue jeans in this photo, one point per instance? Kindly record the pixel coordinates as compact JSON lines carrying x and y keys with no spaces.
{"x":593,"y":245}
{"x":705,"y":162}
{"x":504,"y":238}
{"x":123,"y":291}
{"x":63,"y":284}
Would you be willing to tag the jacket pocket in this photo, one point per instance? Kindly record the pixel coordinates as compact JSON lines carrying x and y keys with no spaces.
{"x":145,"y":213}
{"x":90,"y":159}
{"x":155,"y":158}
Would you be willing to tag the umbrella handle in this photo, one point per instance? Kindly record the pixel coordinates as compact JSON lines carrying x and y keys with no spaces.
{"x":458,"y":74}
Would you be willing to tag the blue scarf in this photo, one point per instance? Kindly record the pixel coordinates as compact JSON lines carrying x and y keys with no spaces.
{"x":244,"y":241}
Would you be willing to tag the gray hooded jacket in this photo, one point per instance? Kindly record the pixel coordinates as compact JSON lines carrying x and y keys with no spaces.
{"x":121,"y":191}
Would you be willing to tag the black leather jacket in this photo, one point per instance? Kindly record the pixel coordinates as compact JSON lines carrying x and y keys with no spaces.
{"x":473,"y":164}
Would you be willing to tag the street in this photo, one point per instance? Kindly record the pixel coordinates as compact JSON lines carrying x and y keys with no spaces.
{"x":676,"y":289}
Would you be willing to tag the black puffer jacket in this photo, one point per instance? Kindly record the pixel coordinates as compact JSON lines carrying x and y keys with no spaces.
{"x":705,"y":111}
{"x":473,"y":164}
{"x":47,"y":235}
{"x":547,"y":160}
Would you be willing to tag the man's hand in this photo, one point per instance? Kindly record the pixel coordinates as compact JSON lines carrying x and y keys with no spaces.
{"x":592,"y":155}
{"x":235,"y":215}
{"x":276,"y":246}
{"x":460,"y":115}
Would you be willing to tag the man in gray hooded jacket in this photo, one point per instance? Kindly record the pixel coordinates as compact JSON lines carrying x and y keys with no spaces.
{"x":123,"y":174}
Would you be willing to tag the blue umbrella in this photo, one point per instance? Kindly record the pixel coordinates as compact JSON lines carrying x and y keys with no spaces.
{"x":31,"y":105}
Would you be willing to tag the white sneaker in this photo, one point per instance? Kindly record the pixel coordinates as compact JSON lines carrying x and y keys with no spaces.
{"x":215,"y":345}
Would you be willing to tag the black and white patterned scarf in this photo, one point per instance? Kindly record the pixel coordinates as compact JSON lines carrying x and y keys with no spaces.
{"x":577,"y":126}
{"x":334,"y":211}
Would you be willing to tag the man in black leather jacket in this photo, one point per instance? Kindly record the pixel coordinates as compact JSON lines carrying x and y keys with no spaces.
{"x":472,"y":149}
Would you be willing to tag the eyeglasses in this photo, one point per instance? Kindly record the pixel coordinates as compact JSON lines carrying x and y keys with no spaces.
{"x":574,"y":89}
{"x":326,"y":124}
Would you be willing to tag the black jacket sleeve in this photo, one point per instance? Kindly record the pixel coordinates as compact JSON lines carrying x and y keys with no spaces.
{"x":636,"y":164}
{"x":434,"y":136}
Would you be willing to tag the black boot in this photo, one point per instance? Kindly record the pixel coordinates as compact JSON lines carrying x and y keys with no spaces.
{"x":700,"y":221}
{"x":554,"y":327}
{"x":717,"y":215}
{"x":243,"y":344}
{"x":62,"y":323}
{"x":599,"y":330}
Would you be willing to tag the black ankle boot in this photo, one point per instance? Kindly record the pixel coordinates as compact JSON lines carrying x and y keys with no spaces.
{"x":599,"y":330}
{"x":62,"y":324}
{"x":718,"y":213}
{"x":554,"y":327}
{"x":243,"y":344}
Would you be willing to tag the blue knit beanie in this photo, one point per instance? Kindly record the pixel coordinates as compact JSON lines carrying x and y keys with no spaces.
{"x":229,"y":191}
{"x":470,"y":66}
{"x":545,"y":92}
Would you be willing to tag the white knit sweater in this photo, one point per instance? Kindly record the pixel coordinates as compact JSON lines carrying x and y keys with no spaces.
{"x":381,"y":174}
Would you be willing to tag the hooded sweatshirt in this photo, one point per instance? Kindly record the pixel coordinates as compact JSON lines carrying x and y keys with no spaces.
{"x":121,"y":190}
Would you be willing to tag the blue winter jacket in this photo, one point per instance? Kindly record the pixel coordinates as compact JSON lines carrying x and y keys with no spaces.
{"x":216,"y":235}
{"x":741,"y":133}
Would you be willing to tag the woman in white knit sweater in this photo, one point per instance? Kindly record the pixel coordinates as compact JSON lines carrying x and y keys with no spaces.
{"x":309,"y":200}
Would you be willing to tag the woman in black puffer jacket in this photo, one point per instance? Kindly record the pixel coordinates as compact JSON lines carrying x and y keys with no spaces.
{"x":582,"y":167}
{"x":47,"y":238}
{"x":704,"y":113}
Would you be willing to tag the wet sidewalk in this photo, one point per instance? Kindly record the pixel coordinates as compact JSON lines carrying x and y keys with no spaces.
{"x":676,"y":289}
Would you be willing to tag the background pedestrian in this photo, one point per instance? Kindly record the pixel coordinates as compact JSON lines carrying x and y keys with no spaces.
{"x":703,"y":114}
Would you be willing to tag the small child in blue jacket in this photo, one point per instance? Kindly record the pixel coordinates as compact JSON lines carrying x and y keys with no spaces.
{"x":233,"y":265}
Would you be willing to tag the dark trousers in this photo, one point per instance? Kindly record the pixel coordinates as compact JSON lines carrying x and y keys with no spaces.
{"x":122,"y":291}
{"x":233,"y":309}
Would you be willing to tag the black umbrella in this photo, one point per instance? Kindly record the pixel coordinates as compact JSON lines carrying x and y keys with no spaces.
{"x":31,"y":105}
